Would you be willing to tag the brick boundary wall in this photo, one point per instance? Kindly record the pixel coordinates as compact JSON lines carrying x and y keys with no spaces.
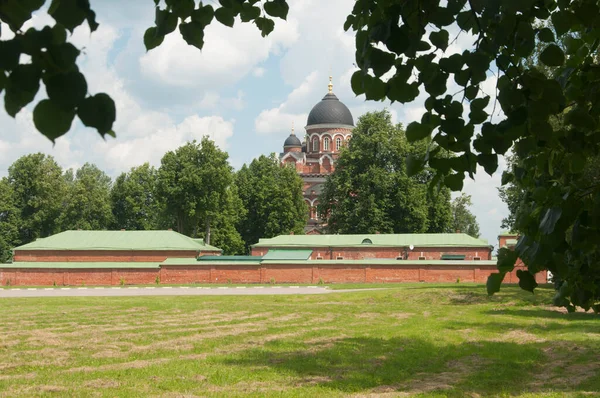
{"x":240,"y":273}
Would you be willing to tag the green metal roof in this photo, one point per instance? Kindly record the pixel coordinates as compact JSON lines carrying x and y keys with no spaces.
{"x":511,"y":242}
{"x":507,"y":233}
{"x":387,"y":240}
{"x":179,"y":261}
{"x":79,"y":265}
{"x":229,"y":258}
{"x":118,"y":240}
{"x":275,"y":254}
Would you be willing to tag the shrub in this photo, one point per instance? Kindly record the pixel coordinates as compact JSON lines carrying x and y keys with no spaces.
{"x":157,"y":280}
{"x":122,"y":282}
{"x":272,"y":281}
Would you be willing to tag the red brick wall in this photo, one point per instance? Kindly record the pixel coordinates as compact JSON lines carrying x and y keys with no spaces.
{"x":280,"y":273}
{"x":185,"y":274}
{"x":104,"y":255}
{"x":287,"y":273}
{"x":77,"y":277}
{"x":362,"y":253}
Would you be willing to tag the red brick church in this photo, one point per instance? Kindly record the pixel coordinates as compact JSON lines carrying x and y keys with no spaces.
{"x":328,"y":129}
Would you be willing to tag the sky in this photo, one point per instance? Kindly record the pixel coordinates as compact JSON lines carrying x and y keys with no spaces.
{"x":241,"y":90}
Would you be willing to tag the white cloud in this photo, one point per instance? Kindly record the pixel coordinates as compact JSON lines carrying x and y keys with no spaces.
{"x":151,"y":147}
{"x":227,"y":56}
{"x":293,"y":110}
{"x":259,"y":71}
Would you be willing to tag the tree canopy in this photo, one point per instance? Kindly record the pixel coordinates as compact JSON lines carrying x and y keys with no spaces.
{"x":88,"y":200}
{"x":370,"y":190}
{"x":193,"y":182}
{"x":273,"y":196}
{"x":135,"y":205}
{"x":462,"y":218}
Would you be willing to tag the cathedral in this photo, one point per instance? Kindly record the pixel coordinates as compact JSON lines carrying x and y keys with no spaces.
{"x":328,"y":129}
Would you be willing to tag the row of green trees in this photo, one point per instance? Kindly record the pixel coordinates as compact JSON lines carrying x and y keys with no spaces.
{"x":195,"y":191}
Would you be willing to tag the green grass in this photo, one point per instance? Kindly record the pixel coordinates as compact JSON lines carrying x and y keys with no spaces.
{"x":423,"y":340}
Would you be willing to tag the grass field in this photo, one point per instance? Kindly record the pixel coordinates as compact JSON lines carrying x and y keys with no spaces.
{"x":423,"y":340}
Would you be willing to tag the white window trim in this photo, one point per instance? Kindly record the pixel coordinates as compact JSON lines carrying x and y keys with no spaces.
{"x":338,"y":143}
{"x":326,"y":144}
{"x":315,"y":145}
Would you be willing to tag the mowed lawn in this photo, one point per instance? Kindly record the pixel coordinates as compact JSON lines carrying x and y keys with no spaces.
{"x":422,"y":340}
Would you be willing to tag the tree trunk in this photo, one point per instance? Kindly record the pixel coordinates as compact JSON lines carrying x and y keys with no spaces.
{"x":207,"y":232}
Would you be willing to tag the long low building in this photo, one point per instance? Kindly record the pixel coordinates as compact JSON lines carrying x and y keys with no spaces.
{"x":458,"y":246}
{"x":148,"y":257}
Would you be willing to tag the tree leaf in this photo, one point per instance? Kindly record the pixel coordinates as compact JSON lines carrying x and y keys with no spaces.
{"x":493,"y":283}
{"x":526,"y":280}
{"x":552,"y":56}
{"x":549,"y":220}
{"x":440,"y":39}
{"x":51,"y":119}
{"x":21,"y":87}
{"x":183,"y":8}
{"x":98,"y":112}
{"x":414,"y":164}
{"x":265,"y":25}
{"x":152,"y":39}
{"x":381,"y":61}
{"x":16,"y":12}
{"x":489,"y":162}
{"x":506,"y":260}
{"x":10,"y":51}
{"x":454,"y":181}
{"x":63,"y":56}
{"x":193,"y":34}
{"x":225,"y":16}
{"x":165,"y":21}
{"x":374,"y":88}
{"x":68,"y":13}
{"x":66,"y":90}
{"x":203,"y":15}
{"x":249,"y":12}
{"x":471,"y":92}
{"x":277,"y":8}
{"x":546,"y":35}
{"x":357,"y":82}
{"x":416,"y":131}
{"x":3,"y":80}
{"x":562,"y":21}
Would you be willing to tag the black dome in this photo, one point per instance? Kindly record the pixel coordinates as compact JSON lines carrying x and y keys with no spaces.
{"x":292,"y":140}
{"x":330,"y":111}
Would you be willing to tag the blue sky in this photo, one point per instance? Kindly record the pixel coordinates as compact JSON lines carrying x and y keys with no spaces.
{"x":242,"y":90}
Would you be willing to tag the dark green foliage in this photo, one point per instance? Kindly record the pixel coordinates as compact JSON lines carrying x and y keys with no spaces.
{"x":273,"y":197}
{"x":546,"y":72}
{"x":9,"y":221}
{"x":193,"y":185}
{"x":370,"y":190}
{"x":39,"y":194}
{"x":88,"y":204}
{"x":135,"y":205}
{"x":462,"y":218}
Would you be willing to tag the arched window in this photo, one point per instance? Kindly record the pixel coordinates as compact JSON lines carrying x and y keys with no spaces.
{"x":326,"y":144}
{"x":367,"y":241}
{"x":338,"y":143}
{"x":315,"y":145}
